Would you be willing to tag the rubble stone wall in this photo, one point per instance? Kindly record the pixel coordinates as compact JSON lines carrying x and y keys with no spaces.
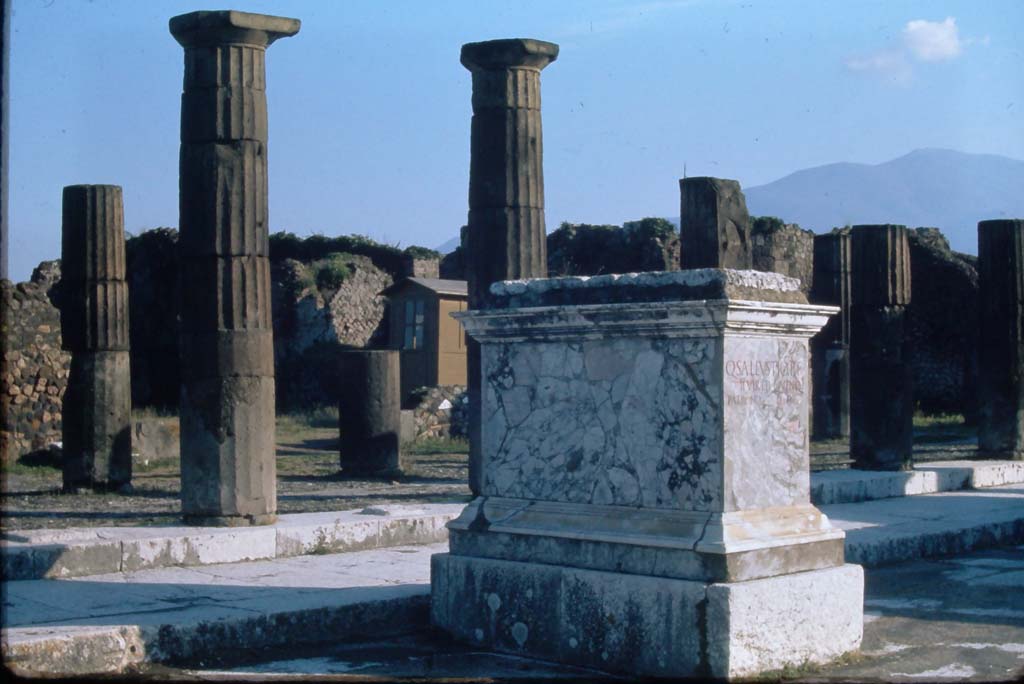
{"x":36,"y":369}
{"x":784,"y":248}
{"x":441,"y":411}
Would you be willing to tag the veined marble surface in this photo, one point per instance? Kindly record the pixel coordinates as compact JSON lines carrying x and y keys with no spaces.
{"x":622,"y":421}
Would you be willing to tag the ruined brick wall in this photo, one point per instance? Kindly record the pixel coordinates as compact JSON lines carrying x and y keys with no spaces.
{"x":316,"y":313}
{"x":650,"y":244}
{"x":943,"y":324}
{"x":784,"y":248}
{"x":440,"y":411}
{"x":36,"y":369}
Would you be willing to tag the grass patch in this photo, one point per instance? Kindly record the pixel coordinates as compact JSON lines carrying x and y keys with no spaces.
{"x":300,"y":421}
{"x":437,"y":445}
{"x":938,"y":419}
{"x":154,"y":412}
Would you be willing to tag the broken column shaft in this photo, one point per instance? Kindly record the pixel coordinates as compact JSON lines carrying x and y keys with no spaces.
{"x":94,"y":328}
{"x":714,"y":226}
{"x":505,"y":237}
{"x":830,"y":349}
{"x":369,"y":412}
{"x":228,"y":472}
{"x":1001,"y":314}
{"x":881,"y":378}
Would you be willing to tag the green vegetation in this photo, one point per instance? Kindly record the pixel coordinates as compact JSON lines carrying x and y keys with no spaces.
{"x":922,"y":419}
{"x":390,"y":258}
{"x":765,"y":224}
{"x":332,"y":270}
{"x":437,"y":445}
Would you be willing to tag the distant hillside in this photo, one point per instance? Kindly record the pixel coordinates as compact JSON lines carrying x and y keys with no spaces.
{"x":929,"y":187}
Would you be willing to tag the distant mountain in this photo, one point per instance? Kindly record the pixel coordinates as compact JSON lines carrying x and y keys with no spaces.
{"x":449,"y":245}
{"x":928,"y":187}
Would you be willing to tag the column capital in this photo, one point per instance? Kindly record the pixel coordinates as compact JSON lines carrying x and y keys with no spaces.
{"x":508,"y":53}
{"x":230,"y":27}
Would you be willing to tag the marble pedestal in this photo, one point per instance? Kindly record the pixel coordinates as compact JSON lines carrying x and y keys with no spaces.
{"x":644,"y":500}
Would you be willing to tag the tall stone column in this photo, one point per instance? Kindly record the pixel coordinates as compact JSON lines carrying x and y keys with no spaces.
{"x":1001,"y":314}
{"x":881,"y":381}
{"x":714,"y":226}
{"x":830,"y":349}
{"x":228,"y":470}
{"x":505,"y":238}
{"x":94,"y":328}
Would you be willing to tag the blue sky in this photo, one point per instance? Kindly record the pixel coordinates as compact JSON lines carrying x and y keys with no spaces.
{"x":370,"y":108}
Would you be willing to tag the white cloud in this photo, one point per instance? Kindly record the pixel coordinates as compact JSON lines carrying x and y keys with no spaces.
{"x":932,"y":41}
{"x":923,"y":41}
{"x":889,"y":64}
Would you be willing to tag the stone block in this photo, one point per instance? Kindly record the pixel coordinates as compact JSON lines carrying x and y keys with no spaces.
{"x":219,"y":28}
{"x":881,"y":389}
{"x":880,"y":266}
{"x":796,"y":619}
{"x":94,"y":316}
{"x":511,"y":245}
{"x":714,"y":224}
{"x":92,"y":234}
{"x":508,"y":53}
{"x":831,"y":283}
{"x":225,"y":294}
{"x":223,"y":199}
{"x":223,"y":114}
{"x":228,"y":467}
{"x":370,"y":411}
{"x":225,"y":66}
{"x":1001,"y":318}
{"x":156,"y":439}
{"x":97,"y":421}
{"x":506,"y":162}
{"x":227,"y":353}
{"x":645,"y":626}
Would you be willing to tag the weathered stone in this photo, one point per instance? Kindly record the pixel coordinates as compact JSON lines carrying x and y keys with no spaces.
{"x":505,"y":234}
{"x":228,"y":470}
{"x":1001,"y":318}
{"x":784,"y":248}
{"x":92,"y":234}
{"x":830,"y":349}
{"x":227,"y":399}
{"x":94,"y":323}
{"x":97,"y":441}
{"x":880,"y":266}
{"x":369,"y":411}
{"x":714,"y":226}
{"x":645,"y":455}
{"x":881,"y":378}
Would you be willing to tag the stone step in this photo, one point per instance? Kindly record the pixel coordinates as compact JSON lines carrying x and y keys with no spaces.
{"x":77,"y":552}
{"x":947,"y":523}
{"x":851,"y":486}
{"x":192,"y":615}
{"x":112,"y":622}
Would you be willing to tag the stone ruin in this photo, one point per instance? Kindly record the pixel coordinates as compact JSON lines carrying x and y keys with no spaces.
{"x":228,"y":466}
{"x":94,"y":327}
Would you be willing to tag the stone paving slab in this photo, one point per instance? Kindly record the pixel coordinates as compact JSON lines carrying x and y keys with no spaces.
{"x":115,"y":621}
{"x":112,"y":622}
{"x":76,"y":552}
{"x":893,"y":530}
{"x":851,"y":486}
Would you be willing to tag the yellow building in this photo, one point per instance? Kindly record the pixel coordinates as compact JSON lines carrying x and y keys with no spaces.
{"x":431,"y":342}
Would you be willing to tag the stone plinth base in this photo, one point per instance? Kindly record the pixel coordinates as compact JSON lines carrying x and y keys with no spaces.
{"x":649,"y":626}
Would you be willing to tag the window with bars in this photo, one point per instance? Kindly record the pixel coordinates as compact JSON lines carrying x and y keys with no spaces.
{"x":413,"y":338}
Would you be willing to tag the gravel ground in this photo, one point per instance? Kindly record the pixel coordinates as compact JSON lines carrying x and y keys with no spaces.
{"x":308,"y":480}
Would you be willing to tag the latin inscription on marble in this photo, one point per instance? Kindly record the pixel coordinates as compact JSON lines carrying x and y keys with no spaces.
{"x":747,"y":379}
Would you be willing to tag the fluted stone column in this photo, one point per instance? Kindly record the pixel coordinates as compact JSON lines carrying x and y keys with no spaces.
{"x":714,"y":226}
{"x":228,"y":472}
{"x":94,"y":328}
{"x":881,"y":381}
{"x":369,"y":412}
{"x":1001,"y":314}
{"x":505,"y":237}
{"x":830,"y":349}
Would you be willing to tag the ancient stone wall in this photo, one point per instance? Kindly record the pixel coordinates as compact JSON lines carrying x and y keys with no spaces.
{"x":580,"y":249}
{"x":440,"y":411}
{"x":784,"y":248}
{"x":942,"y":321}
{"x":37,"y":369}
{"x":321,"y":307}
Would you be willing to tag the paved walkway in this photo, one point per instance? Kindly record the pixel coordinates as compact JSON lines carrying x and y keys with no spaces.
{"x":115,"y":621}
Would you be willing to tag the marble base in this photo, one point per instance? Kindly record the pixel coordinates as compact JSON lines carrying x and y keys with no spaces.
{"x":697,"y":545}
{"x":648,"y":626}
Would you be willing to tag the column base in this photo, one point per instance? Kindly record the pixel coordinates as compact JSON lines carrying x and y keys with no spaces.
{"x":648,"y":626}
{"x":230,"y":520}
